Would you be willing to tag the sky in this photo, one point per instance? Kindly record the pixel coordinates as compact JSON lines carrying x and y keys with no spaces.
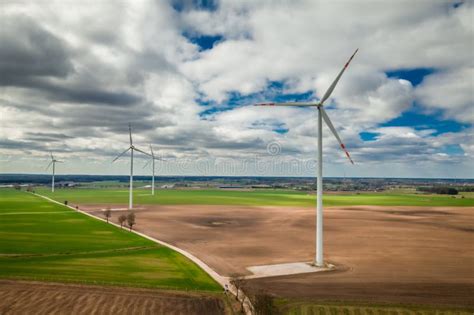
{"x":184,"y":74}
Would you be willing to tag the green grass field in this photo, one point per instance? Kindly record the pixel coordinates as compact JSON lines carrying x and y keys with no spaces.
{"x":255,"y":197}
{"x":40,"y":240}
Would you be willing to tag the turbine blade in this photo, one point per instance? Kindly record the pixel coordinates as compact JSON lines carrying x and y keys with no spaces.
{"x":146,"y":164}
{"x":287,"y":104}
{"x":333,"y":85}
{"x":49,"y":165}
{"x":118,"y":156}
{"x":134,"y":148}
{"x":334,"y":132}
{"x":130,"y":132}
{"x":52,"y":157}
{"x":151,"y":149}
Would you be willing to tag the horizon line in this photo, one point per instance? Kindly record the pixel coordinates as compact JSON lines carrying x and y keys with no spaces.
{"x":235,"y":176}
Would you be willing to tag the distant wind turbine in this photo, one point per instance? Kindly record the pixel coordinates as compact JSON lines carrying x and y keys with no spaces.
{"x":319,"y":261}
{"x":53,"y":162}
{"x":152,"y":160}
{"x":131,"y":148}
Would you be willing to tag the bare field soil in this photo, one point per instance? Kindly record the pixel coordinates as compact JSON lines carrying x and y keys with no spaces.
{"x":387,"y":254}
{"x":21,"y":297}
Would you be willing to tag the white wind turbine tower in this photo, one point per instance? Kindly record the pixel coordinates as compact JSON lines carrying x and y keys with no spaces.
{"x":319,"y":261}
{"x":53,"y":162}
{"x":131,"y":148}
{"x":153,"y":158}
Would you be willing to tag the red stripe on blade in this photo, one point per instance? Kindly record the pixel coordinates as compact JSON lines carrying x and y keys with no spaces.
{"x":349,"y":157}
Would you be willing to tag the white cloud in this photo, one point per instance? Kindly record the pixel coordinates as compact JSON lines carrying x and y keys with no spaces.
{"x":451,"y":91}
{"x":131,"y":62}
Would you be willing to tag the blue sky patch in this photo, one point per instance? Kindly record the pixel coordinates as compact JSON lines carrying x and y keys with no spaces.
{"x":415,"y":119}
{"x":275,"y":92}
{"x":453,"y":149}
{"x":205,"y":42}
{"x":183,"y":5}
{"x":369,"y":136}
{"x":280,"y":128}
{"x":415,"y":76}
{"x":209,"y":112}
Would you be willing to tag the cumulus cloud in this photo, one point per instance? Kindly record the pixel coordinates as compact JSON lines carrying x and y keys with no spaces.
{"x":451,"y":91}
{"x":73,"y":75}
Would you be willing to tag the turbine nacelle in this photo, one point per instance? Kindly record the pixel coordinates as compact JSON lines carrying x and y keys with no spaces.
{"x":153,"y":157}
{"x":320,"y":106}
{"x":53,"y":161}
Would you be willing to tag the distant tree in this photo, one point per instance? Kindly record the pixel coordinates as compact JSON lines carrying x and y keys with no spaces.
{"x":121,"y":219}
{"x":441,"y":190}
{"x":452,"y":191}
{"x":17,"y":187}
{"x":30,"y":189}
{"x":131,"y":220}
{"x":107,"y":214}
{"x":238,"y":281}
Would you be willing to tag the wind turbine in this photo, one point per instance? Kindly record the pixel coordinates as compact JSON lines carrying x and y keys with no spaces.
{"x":131,"y":148}
{"x":53,"y":162}
{"x":153,"y":158}
{"x":319,"y":261}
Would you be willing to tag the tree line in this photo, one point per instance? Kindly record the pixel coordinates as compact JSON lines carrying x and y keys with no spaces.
{"x":441,"y":190}
{"x":129,"y":218}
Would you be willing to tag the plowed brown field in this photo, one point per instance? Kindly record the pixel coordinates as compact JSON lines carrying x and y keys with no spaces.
{"x":387,"y":254}
{"x":20,"y":297}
